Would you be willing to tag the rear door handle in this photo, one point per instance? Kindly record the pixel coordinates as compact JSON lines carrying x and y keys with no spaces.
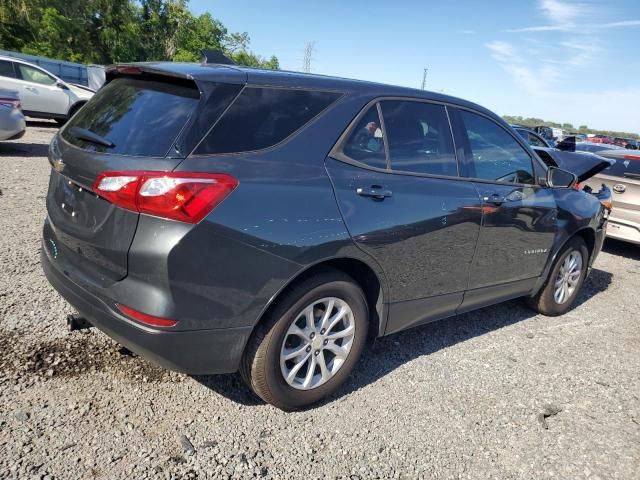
{"x":374,"y":191}
{"x":30,"y":88}
{"x":494,"y":199}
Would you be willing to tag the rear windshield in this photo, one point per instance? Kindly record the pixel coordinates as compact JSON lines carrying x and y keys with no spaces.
{"x":629,"y":168}
{"x":263,"y":117}
{"x":140,"y":117}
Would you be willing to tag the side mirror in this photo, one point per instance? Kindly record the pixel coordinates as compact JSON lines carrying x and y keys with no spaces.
{"x":61,"y":86}
{"x":559,"y":178}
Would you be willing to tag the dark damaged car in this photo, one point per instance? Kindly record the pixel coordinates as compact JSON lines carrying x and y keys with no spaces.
{"x":214,"y":218}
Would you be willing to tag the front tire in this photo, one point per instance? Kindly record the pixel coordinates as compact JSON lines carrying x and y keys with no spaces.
{"x":309,"y":343}
{"x":565,"y":280}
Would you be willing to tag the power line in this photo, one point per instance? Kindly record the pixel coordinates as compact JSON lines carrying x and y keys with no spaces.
{"x":308,"y":53}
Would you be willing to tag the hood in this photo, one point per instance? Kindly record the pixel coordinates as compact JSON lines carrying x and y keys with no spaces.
{"x":81,"y":91}
{"x":583,"y":164}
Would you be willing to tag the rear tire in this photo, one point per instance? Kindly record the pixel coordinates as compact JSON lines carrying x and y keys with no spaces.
{"x":565,"y":280}
{"x":322,"y":325}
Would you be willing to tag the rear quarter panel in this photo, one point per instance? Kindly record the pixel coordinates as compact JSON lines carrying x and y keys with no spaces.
{"x":281,"y":219}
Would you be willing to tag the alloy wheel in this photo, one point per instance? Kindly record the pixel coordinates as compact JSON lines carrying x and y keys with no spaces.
{"x":317,"y":343}
{"x":568,"y":277}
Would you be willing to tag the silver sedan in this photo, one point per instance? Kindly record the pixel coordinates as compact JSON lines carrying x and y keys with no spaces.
{"x":12,"y":122}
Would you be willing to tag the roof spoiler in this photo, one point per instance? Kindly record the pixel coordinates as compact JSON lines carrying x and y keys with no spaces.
{"x":215,"y":56}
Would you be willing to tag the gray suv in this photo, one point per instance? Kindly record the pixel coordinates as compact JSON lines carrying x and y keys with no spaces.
{"x":214,"y":218}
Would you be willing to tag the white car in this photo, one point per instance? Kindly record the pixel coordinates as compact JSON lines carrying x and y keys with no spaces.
{"x":42,"y":94}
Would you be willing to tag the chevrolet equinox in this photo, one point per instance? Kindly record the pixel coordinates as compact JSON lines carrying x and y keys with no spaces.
{"x":215,"y":218}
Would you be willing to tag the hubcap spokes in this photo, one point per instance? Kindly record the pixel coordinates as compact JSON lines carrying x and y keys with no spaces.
{"x":568,"y":277}
{"x":317,"y":343}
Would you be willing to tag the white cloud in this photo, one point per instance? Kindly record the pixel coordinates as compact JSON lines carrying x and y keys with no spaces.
{"x":571,"y":16}
{"x":502,"y":51}
{"x":560,"y":12}
{"x":625,"y":23}
{"x":542,"y":28}
{"x":547,"y":69}
{"x":579,"y":54}
{"x":535,"y":80}
{"x":467,"y":32}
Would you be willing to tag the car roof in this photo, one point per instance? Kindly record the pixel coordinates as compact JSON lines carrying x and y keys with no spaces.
{"x":20,"y":60}
{"x":286,"y":79}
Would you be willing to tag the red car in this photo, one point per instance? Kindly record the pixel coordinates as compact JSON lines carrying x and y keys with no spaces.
{"x":600,"y":139}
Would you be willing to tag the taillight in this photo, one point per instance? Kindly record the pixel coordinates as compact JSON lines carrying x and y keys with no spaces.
{"x":183,"y":196}
{"x":632,"y":157}
{"x":145,"y":318}
{"x":9,"y":102}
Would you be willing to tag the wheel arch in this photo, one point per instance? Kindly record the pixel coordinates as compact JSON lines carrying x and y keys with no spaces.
{"x":587,"y":233}
{"x":75,"y":107}
{"x":365,"y":275}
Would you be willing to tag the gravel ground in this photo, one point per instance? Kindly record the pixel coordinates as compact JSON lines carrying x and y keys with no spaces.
{"x":497,"y":393}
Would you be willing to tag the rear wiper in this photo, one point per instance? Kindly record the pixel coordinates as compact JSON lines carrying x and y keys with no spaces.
{"x":632,"y":175}
{"x":89,"y":136}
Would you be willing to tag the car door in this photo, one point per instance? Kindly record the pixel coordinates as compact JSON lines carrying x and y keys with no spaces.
{"x":395,"y":177}
{"x":518,"y":215}
{"x":39,"y":91}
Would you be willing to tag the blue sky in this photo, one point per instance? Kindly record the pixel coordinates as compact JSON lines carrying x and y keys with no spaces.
{"x":562,"y":60}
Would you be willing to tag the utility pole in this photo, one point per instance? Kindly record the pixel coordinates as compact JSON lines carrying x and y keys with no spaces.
{"x":424,"y":78}
{"x":308,"y":53}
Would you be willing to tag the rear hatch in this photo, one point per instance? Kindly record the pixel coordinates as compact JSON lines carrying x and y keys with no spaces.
{"x":135,"y":122}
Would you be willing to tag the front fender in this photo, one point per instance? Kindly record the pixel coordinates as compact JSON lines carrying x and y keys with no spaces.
{"x":579,"y":213}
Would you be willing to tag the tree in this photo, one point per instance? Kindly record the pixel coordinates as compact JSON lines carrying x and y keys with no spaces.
{"x":109,"y":31}
{"x":236,"y":42}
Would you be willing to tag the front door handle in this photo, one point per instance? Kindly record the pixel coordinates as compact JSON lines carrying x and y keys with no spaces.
{"x":32,"y":89}
{"x":374,"y":191}
{"x":494,"y":199}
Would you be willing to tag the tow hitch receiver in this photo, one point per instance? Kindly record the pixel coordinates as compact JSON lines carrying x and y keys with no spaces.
{"x":76,"y":322}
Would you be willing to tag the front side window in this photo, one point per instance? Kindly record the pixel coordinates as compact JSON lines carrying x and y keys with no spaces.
{"x":494,"y":154}
{"x":419,"y":137}
{"x":34,"y":75}
{"x":262,"y":117}
{"x":366,"y":142}
{"x":6,"y":69}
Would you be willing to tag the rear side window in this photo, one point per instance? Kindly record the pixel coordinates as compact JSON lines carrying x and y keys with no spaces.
{"x":6,"y":69}
{"x":494,"y":154}
{"x":419,"y":137}
{"x":624,"y":168}
{"x":140,"y":117}
{"x":263,"y":117}
{"x":366,"y":142}
{"x":35,"y":75}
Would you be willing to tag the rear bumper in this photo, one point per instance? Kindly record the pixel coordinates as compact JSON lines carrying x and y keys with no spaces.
{"x":196,"y":352}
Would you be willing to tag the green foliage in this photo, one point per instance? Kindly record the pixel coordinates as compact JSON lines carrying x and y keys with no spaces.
{"x":532,"y":122}
{"x":113,"y":31}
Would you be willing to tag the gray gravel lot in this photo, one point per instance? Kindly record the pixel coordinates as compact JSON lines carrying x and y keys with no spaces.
{"x":497,"y":393}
